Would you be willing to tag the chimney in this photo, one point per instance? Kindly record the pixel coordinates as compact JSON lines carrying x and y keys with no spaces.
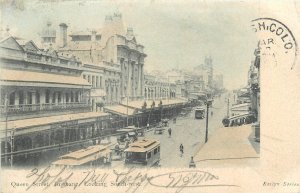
{"x":63,"y":34}
{"x":129,"y":32}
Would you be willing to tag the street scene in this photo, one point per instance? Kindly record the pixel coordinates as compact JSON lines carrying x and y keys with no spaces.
{"x":117,"y":88}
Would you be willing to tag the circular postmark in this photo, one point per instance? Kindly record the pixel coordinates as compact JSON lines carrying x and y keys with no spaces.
{"x":277,"y":40}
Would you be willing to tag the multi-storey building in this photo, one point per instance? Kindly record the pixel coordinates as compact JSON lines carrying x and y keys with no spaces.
{"x":45,"y":103}
{"x":115,"y":51}
{"x":157,"y":88}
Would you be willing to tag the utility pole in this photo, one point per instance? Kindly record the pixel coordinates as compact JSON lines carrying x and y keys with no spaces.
{"x":6,"y":119}
{"x":228,"y":107}
{"x":12,"y":136}
{"x":206,"y":131}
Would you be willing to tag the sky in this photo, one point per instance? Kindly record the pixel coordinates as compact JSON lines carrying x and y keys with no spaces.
{"x":176,"y":34}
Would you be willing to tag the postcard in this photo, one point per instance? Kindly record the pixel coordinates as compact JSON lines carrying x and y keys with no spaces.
{"x":149,"y":96}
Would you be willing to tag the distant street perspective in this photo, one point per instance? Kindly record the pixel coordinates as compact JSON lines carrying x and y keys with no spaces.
{"x":74,"y":96}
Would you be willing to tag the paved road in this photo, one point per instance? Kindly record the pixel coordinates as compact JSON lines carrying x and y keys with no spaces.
{"x":191,"y":133}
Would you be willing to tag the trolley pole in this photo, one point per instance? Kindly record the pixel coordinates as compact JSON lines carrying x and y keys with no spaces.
{"x":206,"y":131}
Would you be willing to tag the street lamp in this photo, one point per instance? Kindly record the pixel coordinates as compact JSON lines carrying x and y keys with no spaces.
{"x":208,"y":103}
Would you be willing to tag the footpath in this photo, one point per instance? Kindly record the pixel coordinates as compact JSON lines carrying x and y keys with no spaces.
{"x":229,"y":146}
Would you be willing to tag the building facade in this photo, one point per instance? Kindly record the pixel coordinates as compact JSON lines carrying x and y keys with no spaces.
{"x":156,"y":88}
{"x":45,"y":102}
{"x":116,"y":51}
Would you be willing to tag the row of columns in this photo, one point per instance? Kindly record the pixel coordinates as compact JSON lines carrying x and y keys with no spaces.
{"x":112,"y":91}
{"x":132,"y":78}
{"x":32,"y":97}
{"x":157,"y":93}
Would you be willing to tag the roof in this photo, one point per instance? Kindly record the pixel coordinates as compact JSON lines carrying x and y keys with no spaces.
{"x":120,"y":110}
{"x":240,"y":116}
{"x":85,"y":152}
{"x":83,"y":156}
{"x":142,"y":145}
{"x":14,"y":77}
{"x":25,"y":123}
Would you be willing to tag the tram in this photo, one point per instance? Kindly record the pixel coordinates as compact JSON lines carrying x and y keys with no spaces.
{"x":199,"y":113}
{"x":95,"y":155}
{"x":144,"y":152}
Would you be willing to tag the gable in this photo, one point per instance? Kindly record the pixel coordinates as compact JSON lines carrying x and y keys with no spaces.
{"x":30,"y":46}
{"x":10,"y":43}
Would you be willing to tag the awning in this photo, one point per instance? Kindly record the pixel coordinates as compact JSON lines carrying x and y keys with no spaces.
{"x":120,"y":110}
{"x":35,"y":122}
{"x":166,"y":102}
{"x":38,"y":79}
{"x":98,"y":93}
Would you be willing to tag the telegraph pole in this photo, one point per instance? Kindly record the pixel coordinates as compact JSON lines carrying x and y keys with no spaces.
{"x":6,"y":119}
{"x":228,"y":107}
{"x":206,"y":131}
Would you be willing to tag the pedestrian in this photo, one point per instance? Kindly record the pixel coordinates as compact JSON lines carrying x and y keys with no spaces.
{"x":181,"y":149}
{"x":170,"y":131}
{"x":192,"y":163}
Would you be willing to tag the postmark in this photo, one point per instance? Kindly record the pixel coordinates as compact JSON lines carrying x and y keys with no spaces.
{"x":276,"y":40}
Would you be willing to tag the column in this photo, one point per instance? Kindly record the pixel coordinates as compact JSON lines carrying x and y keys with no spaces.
{"x":142,"y":79}
{"x":133,"y":79}
{"x":129,"y":79}
{"x":33,"y":98}
{"x":140,"y":92}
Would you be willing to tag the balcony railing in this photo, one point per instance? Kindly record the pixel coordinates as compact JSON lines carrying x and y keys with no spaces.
{"x":22,"y":108}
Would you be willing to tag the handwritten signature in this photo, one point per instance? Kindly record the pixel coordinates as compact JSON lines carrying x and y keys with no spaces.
{"x":178,"y":180}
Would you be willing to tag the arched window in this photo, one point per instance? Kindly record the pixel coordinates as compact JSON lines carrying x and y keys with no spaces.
{"x":12,"y":98}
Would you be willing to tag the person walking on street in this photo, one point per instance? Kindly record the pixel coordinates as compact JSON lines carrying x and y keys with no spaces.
{"x":170,"y":131}
{"x":181,"y":150}
{"x":192,"y":163}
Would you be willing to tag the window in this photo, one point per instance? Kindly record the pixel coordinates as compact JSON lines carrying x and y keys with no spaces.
{"x":158,"y":149}
{"x":12,"y":99}
{"x":47,"y":96}
{"x":77,"y":97}
{"x":21,"y":98}
{"x":84,"y":76}
{"x":37,"y":95}
{"x":72,"y":97}
{"x":148,"y":155}
{"x":93,"y":81}
{"x":89,"y":78}
{"x":97,"y":81}
{"x":29,"y":95}
{"x":155,"y":151}
{"x":59,"y":97}
{"x":67,"y":97}
{"x":53,"y":97}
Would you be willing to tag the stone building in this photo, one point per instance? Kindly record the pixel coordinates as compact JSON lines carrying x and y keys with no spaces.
{"x":158,"y":88}
{"x":116,"y":52}
{"x":45,"y":103}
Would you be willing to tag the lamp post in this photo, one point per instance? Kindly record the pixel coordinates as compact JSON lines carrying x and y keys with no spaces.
{"x":208,"y":103}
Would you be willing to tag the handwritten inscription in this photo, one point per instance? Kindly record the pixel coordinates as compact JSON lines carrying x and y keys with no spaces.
{"x":132,"y":179}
